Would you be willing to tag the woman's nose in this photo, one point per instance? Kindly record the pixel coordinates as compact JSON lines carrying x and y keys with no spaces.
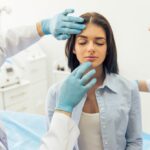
{"x":90,"y":47}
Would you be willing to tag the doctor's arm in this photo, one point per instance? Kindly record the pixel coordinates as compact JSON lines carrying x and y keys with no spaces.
{"x":63,"y":132}
{"x":60,"y":26}
{"x":3,"y":138}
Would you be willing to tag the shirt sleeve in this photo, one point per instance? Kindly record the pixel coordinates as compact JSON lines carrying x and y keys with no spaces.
{"x":62,"y":134}
{"x":134,"y":129}
{"x":16,"y":40}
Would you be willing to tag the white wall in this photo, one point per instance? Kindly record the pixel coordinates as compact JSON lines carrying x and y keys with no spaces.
{"x":130,"y":20}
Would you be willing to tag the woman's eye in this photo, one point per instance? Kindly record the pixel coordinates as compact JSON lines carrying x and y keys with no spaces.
{"x":100,"y":43}
{"x":82,"y":42}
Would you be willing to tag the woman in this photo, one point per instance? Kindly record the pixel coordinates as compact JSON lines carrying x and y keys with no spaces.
{"x":109,"y":114}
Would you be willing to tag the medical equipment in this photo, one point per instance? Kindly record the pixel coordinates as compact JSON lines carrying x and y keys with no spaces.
{"x":21,"y":78}
{"x":8,"y":75}
{"x":14,"y":93}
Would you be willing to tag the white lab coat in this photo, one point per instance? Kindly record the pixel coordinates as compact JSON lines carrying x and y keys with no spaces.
{"x":2,"y":147}
{"x":11,"y":43}
{"x":16,"y":40}
{"x":62,"y":134}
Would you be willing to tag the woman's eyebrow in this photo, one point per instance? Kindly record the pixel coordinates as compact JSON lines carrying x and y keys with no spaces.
{"x":81,"y":36}
{"x":100,"y":38}
{"x":85,"y":37}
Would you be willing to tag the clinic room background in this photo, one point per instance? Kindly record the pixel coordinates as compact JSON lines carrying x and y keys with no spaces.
{"x":44,"y":62}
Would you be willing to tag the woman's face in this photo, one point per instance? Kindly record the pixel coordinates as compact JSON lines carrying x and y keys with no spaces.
{"x":91,"y":45}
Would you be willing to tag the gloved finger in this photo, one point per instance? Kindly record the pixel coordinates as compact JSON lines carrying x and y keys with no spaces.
{"x":76,"y":70}
{"x":72,"y":25}
{"x":69,"y":31}
{"x":73,"y":19}
{"x":63,"y":36}
{"x":87,"y":76}
{"x":82,"y":69}
{"x":90,"y":84}
{"x":68,"y":11}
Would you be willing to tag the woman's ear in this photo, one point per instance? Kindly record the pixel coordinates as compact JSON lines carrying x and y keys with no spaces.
{"x":74,"y":51}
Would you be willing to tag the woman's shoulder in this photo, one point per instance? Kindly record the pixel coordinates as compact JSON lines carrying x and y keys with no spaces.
{"x":53,"y":93}
{"x":54,"y":88}
{"x":124,"y":82}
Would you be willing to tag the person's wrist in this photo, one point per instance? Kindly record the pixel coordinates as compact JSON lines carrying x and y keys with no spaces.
{"x":45,"y":26}
{"x":64,"y":112}
{"x":39,"y":29}
{"x":64,"y":107}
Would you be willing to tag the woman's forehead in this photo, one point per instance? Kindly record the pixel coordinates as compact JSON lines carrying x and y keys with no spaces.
{"x":92,"y":30}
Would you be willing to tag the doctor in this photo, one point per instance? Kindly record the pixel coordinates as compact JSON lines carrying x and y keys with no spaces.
{"x":15,"y":40}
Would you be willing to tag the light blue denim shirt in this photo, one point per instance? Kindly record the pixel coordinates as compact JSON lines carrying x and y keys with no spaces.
{"x":120,"y":112}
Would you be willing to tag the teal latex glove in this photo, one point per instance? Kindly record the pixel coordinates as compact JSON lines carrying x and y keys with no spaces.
{"x":75,"y":87}
{"x":62,"y":25}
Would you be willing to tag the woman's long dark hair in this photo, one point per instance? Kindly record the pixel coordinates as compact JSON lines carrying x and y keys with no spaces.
{"x":110,"y":62}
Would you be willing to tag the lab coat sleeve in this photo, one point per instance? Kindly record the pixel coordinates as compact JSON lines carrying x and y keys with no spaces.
{"x":62,"y":134}
{"x":2,"y":147}
{"x":3,"y":138}
{"x":16,"y":40}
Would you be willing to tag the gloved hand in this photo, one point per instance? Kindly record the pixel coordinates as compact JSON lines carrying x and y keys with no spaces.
{"x":74,"y":87}
{"x":62,"y":25}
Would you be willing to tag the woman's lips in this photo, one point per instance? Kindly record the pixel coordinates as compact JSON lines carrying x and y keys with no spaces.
{"x":90,"y":58}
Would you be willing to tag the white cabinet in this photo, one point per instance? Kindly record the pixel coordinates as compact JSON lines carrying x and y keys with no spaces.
{"x":31,"y":65}
{"x":15,"y":97}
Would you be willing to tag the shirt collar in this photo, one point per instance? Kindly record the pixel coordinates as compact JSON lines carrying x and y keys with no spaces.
{"x":109,"y":82}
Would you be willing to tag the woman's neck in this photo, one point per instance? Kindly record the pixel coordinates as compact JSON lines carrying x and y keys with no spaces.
{"x":100,"y":76}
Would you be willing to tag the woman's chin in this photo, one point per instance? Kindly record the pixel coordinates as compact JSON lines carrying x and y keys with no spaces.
{"x":94,"y":64}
